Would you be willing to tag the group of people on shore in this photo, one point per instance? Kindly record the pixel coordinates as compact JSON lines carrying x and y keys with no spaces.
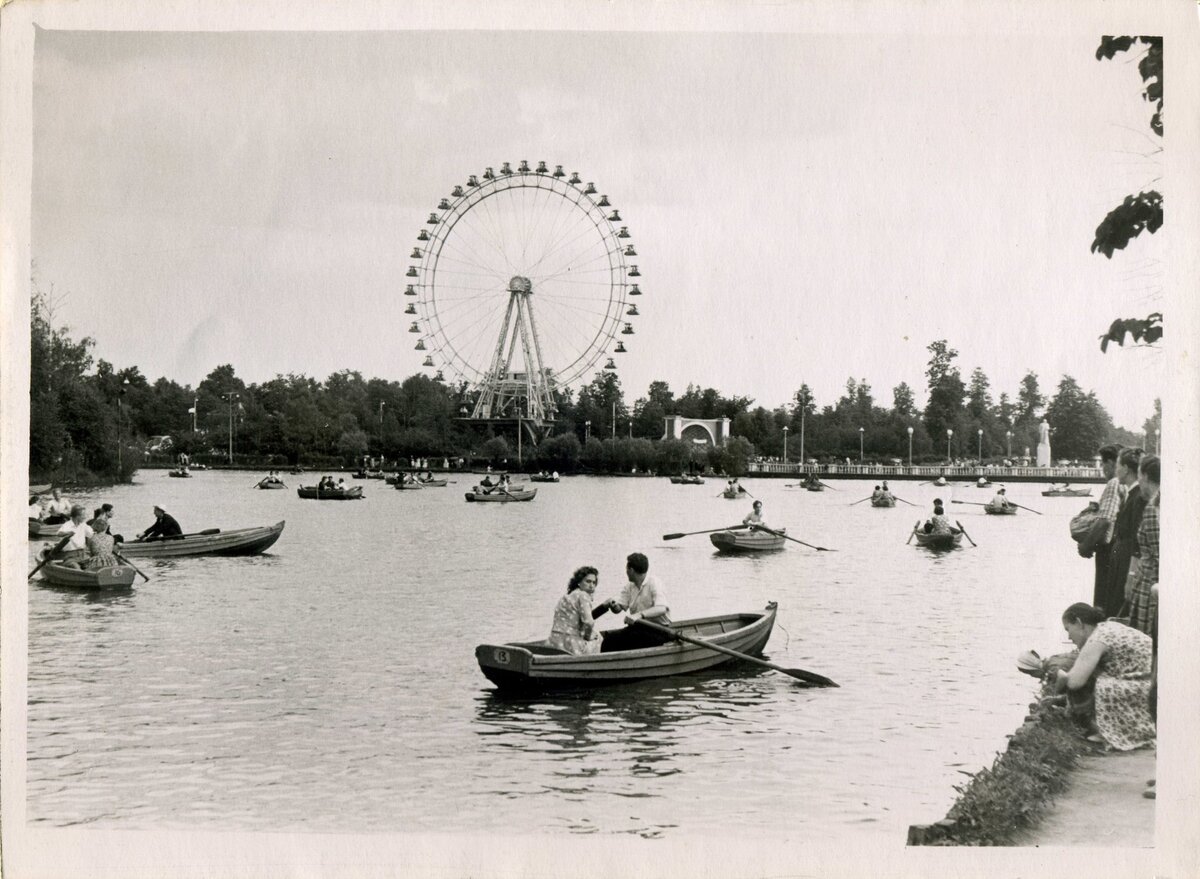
{"x":90,"y":544}
{"x":1110,"y":679}
{"x":642,"y":598}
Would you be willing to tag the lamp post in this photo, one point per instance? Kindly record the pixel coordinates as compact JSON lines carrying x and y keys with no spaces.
{"x":949,"y":435}
{"x":980,"y":446}
{"x":802,"y":458}
{"x":1157,"y":444}
{"x":1008,"y":444}
{"x":120,"y":398}
{"x":229,"y":399}
{"x":614,"y":419}
{"x":382,"y":403}
{"x":785,"y":433}
{"x":910,"y":433}
{"x":861,"y":430}
{"x":195,"y":406}
{"x":587,"y":431}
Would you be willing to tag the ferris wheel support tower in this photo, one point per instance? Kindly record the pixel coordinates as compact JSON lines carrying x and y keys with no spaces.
{"x":502,"y":392}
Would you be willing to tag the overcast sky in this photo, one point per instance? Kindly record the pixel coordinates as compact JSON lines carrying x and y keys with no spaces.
{"x":805,"y":208}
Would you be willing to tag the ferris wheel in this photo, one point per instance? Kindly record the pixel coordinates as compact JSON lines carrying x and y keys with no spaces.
{"x":521,"y":284}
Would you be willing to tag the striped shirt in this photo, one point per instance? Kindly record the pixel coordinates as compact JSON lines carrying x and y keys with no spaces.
{"x":1110,"y":505}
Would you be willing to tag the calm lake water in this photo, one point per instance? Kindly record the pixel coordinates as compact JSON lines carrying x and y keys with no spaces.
{"x":331,"y":684}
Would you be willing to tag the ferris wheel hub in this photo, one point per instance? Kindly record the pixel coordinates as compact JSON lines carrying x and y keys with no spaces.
{"x":520,"y":284}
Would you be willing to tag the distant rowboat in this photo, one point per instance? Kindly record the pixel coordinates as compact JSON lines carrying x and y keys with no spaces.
{"x":995,"y":510}
{"x":180,"y":474}
{"x":498,"y":495}
{"x":75,"y":578}
{"x":38,"y":528}
{"x":1068,"y":492}
{"x":534,"y":666}
{"x":938,"y":541}
{"x":311,"y":492}
{"x":238,"y":541}
{"x":748,"y":541}
{"x":686,"y":480}
{"x":884,"y":501}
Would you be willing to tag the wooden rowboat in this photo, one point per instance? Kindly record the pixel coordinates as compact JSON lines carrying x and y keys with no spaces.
{"x":815,"y":486}
{"x":748,"y":541}
{"x":376,"y":474}
{"x":731,"y":494}
{"x":1068,"y":492}
{"x":38,"y":528}
{"x":239,"y":541}
{"x":433,"y":483}
{"x":991,"y":510}
{"x":408,"y":486}
{"x":543,"y":477}
{"x":311,"y":492}
{"x":267,"y":483}
{"x":40,"y":489}
{"x":535,"y":666}
{"x":101,"y":578}
{"x":885,"y":501}
{"x":686,"y":480}
{"x":180,"y":474}
{"x":514,"y":493}
{"x":938,"y":541}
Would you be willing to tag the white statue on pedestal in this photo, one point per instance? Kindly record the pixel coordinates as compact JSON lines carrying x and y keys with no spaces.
{"x":1043,"y":450}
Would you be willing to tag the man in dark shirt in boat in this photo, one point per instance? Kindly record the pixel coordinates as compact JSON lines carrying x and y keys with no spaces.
{"x":642,"y":597}
{"x":164,"y":528}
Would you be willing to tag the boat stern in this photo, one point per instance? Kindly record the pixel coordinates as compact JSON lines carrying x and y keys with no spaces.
{"x":505,"y":665}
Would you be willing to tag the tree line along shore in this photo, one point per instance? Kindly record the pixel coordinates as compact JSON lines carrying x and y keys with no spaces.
{"x":93,"y":422}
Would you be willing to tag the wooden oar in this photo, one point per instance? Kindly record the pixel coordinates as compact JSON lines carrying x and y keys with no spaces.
{"x":678,"y":535}
{"x":903,"y":501}
{"x":798,"y":673}
{"x":969,"y":503}
{"x":50,"y":555}
{"x":126,"y":561}
{"x":916,"y":525}
{"x":964,"y":531}
{"x":1025,"y":508}
{"x":793,"y":539}
{"x":867,"y":498}
{"x":746,"y":493}
{"x":827,"y":485}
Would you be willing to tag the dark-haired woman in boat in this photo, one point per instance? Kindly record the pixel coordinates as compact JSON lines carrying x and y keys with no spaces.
{"x":573,"y":630}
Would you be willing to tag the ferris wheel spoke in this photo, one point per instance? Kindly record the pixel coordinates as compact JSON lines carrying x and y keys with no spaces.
{"x":600,"y":265}
{"x":483,"y":239}
{"x":570,"y":251}
{"x":572,"y":227}
{"x":469,"y":334}
{"x":466,"y":259}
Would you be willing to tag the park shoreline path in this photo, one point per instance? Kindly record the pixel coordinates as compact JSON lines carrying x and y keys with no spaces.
{"x":1102,"y":806}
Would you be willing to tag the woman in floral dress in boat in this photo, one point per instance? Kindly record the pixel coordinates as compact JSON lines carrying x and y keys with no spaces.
{"x":573,"y":630}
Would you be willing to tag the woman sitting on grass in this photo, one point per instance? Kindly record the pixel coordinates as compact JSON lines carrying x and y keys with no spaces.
{"x":1119,"y":658}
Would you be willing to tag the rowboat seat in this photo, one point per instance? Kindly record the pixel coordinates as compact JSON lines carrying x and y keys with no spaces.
{"x":541,"y":648}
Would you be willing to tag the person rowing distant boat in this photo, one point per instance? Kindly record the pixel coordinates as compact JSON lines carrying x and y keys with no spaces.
{"x":886,"y":492}
{"x":164,"y":528}
{"x":35,"y":507}
{"x":58,"y":508}
{"x":1000,"y":501}
{"x":754,"y":518}
{"x":938,"y":523}
{"x":877,"y":493}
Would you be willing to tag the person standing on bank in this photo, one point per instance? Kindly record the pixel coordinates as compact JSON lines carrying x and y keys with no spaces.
{"x":164,"y":527}
{"x":1098,"y":542}
{"x":1143,"y":604}
{"x":642,"y":598}
{"x":1125,"y":544}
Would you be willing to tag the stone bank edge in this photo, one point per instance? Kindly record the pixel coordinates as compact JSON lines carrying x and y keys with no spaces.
{"x":1013,"y":793}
